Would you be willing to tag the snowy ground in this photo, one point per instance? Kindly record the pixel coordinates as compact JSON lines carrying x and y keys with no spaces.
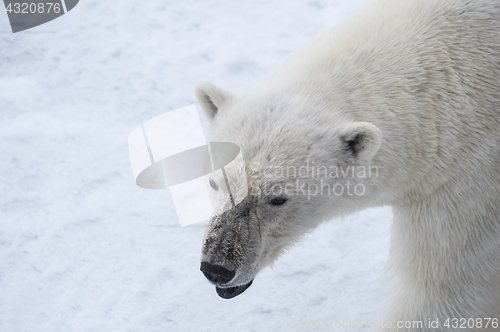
{"x":77,"y":250}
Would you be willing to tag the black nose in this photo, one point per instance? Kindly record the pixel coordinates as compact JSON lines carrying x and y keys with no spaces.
{"x":216,"y":273}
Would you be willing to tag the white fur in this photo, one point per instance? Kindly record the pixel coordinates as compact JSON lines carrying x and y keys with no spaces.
{"x":421,"y":78}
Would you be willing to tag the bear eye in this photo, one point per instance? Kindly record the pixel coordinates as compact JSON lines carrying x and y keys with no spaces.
{"x":278,"y":201}
{"x":213,"y":184}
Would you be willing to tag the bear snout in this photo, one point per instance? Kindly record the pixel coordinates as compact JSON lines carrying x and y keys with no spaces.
{"x":216,"y":273}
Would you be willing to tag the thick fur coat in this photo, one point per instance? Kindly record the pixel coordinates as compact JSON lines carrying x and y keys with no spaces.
{"x":411,"y":87}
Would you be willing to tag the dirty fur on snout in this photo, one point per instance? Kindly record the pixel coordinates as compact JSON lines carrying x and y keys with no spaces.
{"x":233,"y":237}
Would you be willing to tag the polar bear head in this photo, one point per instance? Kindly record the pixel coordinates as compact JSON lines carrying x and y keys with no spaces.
{"x":303,"y":163}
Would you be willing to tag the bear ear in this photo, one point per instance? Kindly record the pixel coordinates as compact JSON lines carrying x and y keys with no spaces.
{"x":212,"y":98}
{"x":361,"y":139}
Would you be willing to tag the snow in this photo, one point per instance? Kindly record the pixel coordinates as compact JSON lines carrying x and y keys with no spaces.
{"x":80,"y":246}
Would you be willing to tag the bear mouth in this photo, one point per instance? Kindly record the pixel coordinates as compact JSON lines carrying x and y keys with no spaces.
{"x":230,"y":292}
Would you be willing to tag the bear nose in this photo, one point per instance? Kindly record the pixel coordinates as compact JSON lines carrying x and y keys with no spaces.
{"x":216,"y":273}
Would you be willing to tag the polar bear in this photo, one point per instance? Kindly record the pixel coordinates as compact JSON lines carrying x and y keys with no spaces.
{"x":399,"y":105}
